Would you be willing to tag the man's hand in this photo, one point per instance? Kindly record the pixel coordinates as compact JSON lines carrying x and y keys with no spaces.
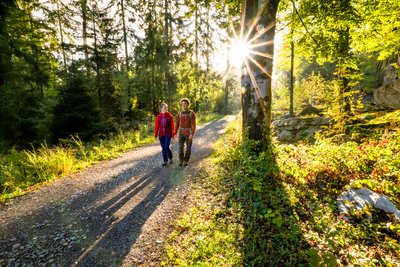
{"x":190,"y":136}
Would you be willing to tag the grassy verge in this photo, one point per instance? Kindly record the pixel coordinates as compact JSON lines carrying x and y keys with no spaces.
{"x":21,"y":171}
{"x":279,"y":208}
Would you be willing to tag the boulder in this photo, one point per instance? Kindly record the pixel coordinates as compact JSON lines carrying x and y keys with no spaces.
{"x":285,"y":135}
{"x":360,"y":198}
{"x":295,"y":128}
{"x":388,"y":95}
{"x":310,"y":110}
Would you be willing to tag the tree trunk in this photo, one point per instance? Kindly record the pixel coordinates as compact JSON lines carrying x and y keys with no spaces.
{"x":196,"y":36}
{"x":84,"y":32}
{"x":256,"y":77}
{"x":227,"y":82}
{"x":343,"y":68}
{"x":291,"y":86}
{"x":344,"y":71}
{"x":125,"y":35}
{"x":166,"y":43}
{"x":35,"y":61}
{"x":61,"y":38}
{"x":97,"y":62}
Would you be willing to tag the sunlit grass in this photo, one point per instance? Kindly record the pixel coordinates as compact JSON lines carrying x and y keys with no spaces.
{"x":20,"y":171}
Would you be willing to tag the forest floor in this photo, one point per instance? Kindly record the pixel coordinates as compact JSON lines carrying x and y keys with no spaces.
{"x":116,"y":213}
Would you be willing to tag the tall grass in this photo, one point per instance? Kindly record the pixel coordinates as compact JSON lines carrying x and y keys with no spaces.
{"x":20,"y":170}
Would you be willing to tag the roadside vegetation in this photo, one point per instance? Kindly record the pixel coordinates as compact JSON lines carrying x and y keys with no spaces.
{"x":25,"y":170}
{"x":279,"y":207}
{"x":21,"y":171}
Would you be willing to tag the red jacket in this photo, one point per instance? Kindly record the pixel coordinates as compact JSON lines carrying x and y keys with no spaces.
{"x":164,"y":125}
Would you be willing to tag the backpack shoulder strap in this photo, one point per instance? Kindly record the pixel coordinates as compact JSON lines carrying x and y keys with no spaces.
{"x":190,"y":115}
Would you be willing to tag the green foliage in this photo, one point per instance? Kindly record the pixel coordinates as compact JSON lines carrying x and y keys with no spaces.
{"x":281,"y":206}
{"x":77,"y":112}
{"x":313,"y":90}
{"x":27,"y":70}
{"x":348,"y":35}
{"x":21,"y":170}
{"x":377,"y":35}
{"x":316,"y":174}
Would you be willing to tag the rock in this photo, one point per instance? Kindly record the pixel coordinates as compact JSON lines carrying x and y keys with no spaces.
{"x":16,"y":246}
{"x":360,"y":198}
{"x":388,"y":95}
{"x":285,"y":136}
{"x":294,"y":129}
{"x":310,"y":110}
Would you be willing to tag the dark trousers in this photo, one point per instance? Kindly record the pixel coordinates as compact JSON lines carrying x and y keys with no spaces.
{"x":184,"y":141}
{"x":166,"y":151}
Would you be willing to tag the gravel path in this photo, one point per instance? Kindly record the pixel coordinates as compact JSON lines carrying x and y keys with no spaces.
{"x":116,"y":213}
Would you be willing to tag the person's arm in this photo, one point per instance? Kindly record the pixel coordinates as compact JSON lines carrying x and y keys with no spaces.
{"x":193,"y":122}
{"x":172,"y":126}
{"x":177,"y":123}
{"x":156,"y":126}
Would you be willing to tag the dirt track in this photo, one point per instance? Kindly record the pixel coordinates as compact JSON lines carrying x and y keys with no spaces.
{"x":116,"y":213}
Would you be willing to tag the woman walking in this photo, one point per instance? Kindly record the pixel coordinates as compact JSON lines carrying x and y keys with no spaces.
{"x":164,"y":130}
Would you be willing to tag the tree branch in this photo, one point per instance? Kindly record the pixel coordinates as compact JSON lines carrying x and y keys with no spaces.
{"x":302,"y":22}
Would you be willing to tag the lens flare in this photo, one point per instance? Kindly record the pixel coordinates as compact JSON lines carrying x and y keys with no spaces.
{"x":239,"y":52}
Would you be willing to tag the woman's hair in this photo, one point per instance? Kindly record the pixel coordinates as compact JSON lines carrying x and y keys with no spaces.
{"x":163,"y":105}
{"x":185,"y":100}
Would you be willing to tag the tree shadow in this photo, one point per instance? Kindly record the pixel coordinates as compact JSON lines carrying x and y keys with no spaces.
{"x":271,"y":234}
{"x":111,"y":239}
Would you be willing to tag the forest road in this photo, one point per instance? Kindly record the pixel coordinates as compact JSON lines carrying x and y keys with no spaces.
{"x":116,"y":213}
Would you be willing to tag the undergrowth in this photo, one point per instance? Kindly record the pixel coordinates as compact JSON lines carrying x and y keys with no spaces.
{"x":279,"y":207}
{"x":21,"y":171}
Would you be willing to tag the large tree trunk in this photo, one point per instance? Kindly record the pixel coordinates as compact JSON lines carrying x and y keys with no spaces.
{"x":256,"y":77}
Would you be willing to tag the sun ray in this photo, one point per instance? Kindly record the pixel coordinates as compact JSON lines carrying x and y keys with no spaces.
{"x":255,"y":19}
{"x":242,"y":19}
{"x":261,"y":44}
{"x":256,"y":89}
{"x":266,"y":55}
{"x":261,"y":32}
{"x":261,"y":67}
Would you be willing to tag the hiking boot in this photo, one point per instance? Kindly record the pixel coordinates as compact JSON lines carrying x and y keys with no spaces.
{"x":164,"y":164}
{"x":171,"y":161}
{"x":185,"y":164}
{"x":180,"y":163}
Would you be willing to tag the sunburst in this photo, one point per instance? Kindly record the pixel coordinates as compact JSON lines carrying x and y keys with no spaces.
{"x":248,"y":49}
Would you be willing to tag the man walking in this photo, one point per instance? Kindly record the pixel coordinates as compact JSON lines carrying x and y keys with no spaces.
{"x":185,"y":126}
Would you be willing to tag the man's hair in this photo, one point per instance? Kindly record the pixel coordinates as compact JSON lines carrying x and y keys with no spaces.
{"x":163,"y":105}
{"x":185,"y":100}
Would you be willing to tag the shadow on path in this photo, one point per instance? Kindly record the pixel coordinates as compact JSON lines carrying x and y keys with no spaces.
{"x":99,"y":226}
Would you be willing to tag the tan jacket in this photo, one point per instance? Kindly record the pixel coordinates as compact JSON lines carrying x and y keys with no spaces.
{"x":185,"y":122}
